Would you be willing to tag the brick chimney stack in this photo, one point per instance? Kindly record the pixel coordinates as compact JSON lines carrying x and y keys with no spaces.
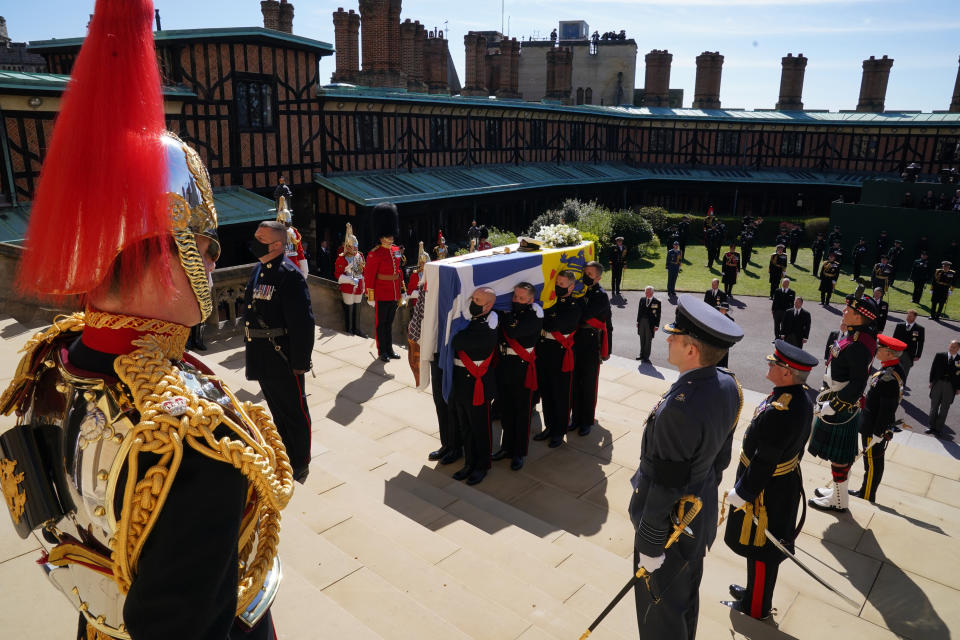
{"x":873,"y":86}
{"x":475,"y":79}
{"x":955,"y":103}
{"x":791,"y":83}
{"x":271,"y":14}
{"x":380,"y":26}
{"x":559,"y":74}
{"x":346,"y":29}
{"x":706,"y":93}
{"x":435,"y":53}
{"x":509,"y":69}
{"x":411,"y":54}
{"x":656,"y":90}
{"x":285,"y":18}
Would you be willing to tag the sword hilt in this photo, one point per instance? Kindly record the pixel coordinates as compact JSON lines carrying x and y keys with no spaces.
{"x":687,"y":509}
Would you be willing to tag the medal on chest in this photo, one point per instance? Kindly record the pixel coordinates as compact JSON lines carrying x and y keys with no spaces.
{"x":263,"y":292}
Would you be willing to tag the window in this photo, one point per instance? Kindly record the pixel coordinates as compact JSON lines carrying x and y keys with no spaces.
{"x":864,"y":146}
{"x":580,"y":95}
{"x":254,"y":102}
{"x":588,"y":96}
{"x":538,"y":134}
{"x":613,"y":138}
{"x":368,"y":132}
{"x":791,"y":144}
{"x":947,"y":149}
{"x":661,"y":140}
{"x":728,"y":143}
{"x":439,"y":134}
{"x":492,"y":133}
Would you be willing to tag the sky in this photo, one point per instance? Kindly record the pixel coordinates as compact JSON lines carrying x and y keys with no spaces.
{"x":922,"y":36}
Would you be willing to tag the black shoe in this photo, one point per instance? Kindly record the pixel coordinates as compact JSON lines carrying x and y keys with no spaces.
{"x":517,"y":463}
{"x":818,"y":507}
{"x":477,"y":476}
{"x":738,"y":605}
{"x":384,"y":358}
{"x":639,"y":358}
{"x":543,"y":435}
{"x":555,"y":442}
{"x":585,"y":431}
{"x":360,"y":334}
{"x":200,"y":346}
{"x":737,"y":592}
{"x":933,"y":432}
{"x":500,"y":454}
{"x":300,"y":475}
{"x":436,"y":455}
{"x":451,"y":456}
{"x":572,"y":427}
{"x":463,"y":473}
{"x":393,"y":356}
{"x":855,"y":493}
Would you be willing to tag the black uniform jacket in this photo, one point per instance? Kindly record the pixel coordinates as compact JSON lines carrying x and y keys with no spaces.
{"x":523,"y":327}
{"x":649,"y":312}
{"x":277,"y":298}
{"x":778,"y":264}
{"x":912,"y":336}
{"x":596,"y":304}
{"x":884,"y":392}
{"x":478,"y":340}
{"x":618,"y":255}
{"x":942,"y":368}
{"x":563,"y":316}
{"x":685,"y":448}
{"x":714,"y":297}
{"x":850,"y":359}
{"x":920,"y":272}
{"x":776,"y":436}
{"x":796,"y":323}
{"x":828,"y":275}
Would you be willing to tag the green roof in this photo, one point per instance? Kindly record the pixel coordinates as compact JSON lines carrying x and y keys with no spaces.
{"x":11,"y":81}
{"x":245,"y":34}
{"x":372,"y":187}
{"x":235,"y":205}
{"x":765,"y":116}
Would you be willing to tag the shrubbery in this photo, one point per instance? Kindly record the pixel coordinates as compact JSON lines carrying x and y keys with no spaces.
{"x":499,"y":238}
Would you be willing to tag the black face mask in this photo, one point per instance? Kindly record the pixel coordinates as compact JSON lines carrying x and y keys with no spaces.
{"x":587,"y":280}
{"x":561,"y":291}
{"x":475,"y":309}
{"x":258,"y":249}
{"x":519,"y":307}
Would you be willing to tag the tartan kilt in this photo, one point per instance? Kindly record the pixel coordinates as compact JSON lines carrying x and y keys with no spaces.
{"x":836,"y":440}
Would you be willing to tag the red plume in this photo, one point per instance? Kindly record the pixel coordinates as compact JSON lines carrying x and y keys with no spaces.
{"x":101,"y":189}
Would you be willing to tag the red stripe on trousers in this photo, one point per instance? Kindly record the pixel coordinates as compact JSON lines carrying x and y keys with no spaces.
{"x":759,"y":576}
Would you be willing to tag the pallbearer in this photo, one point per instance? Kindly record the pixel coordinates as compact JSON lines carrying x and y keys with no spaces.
{"x":769,"y":483}
{"x":594,"y":339}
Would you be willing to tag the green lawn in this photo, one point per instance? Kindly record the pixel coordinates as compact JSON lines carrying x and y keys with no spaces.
{"x":753,"y":281}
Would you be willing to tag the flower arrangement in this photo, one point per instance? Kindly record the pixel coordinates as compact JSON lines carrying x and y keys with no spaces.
{"x":559,"y":235}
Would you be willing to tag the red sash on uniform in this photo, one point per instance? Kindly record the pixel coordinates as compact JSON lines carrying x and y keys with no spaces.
{"x":604,"y":343}
{"x":527,"y":356}
{"x":567,"y":344}
{"x":477,"y":372}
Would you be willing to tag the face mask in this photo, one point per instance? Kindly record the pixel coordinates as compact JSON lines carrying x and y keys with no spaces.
{"x":587,"y":280}
{"x":561,"y":291}
{"x":475,"y":309}
{"x":258,"y":249}
{"x":519,"y":307}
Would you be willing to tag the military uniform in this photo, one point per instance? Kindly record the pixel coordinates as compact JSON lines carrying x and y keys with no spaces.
{"x":883,"y":245}
{"x":776,"y":269}
{"x":859,"y":253}
{"x":555,"y":364}
{"x":683,"y":230}
{"x":383,"y":274}
{"x":794,"y":243}
{"x":592,"y":346}
{"x":884,"y":393}
{"x":770,"y":483}
{"x":441,"y":251}
{"x":944,"y":382}
{"x":348,"y":272}
{"x":746,"y":244}
{"x":731,"y":267}
{"x":674,"y":256}
{"x":648,"y":319}
{"x":618,"y":260}
{"x":919,"y":276}
{"x":474,"y":383}
{"x":817,"y":247}
{"x":278,"y":332}
{"x":882,"y":272}
{"x":893,"y":259}
{"x":883,"y":309}
{"x":912,"y":335}
{"x":782,"y":301}
{"x":713,"y":245}
{"x":517,"y":378}
{"x":685,"y":448}
{"x":834,"y":236}
{"x":828,"y":280}
{"x":943,"y":280}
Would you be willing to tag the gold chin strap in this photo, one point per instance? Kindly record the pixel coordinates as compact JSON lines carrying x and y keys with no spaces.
{"x":171,"y":337}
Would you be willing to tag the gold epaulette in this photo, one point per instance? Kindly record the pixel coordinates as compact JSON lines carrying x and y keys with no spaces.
{"x":783,"y":402}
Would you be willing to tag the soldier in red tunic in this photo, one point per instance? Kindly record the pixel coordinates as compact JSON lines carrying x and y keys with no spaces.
{"x":348,"y":271}
{"x":383,"y":276}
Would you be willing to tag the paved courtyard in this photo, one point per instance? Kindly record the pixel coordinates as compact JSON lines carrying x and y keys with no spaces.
{"x":381,"y":543}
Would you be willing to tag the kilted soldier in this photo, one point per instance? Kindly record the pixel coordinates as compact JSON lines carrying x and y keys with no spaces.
{"x":555,"y":358}
{"x":648,"y":321}
{"x":776,"y":268}
{"x":383,"y":275}
{"x":941,"y":289}
{"x":731,"y":268}
{"x":769,"y":484}
{"x":348,"y":272}
{"x":474,"y":348}
{"x":592,"y":346}
{"x":837,"y":413}
{"x":674,"y":257}
{"x":517,"y":373}
{"x":859,"y":255}
{"x":818,"y":247}
{"x":884,"y":393}
{"x":618,"y":260}
{"x":829,"y":273}
{"x":919,"y":276}
{"x":685,"y":448}
{"x":882,"y":272}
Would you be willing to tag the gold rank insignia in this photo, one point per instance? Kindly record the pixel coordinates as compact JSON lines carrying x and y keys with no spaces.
{"x":680,"y":397}
{"x":10,"y":484}
{"x":783,"y":402}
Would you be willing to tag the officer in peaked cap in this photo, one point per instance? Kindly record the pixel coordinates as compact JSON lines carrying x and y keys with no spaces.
{"x":768,"y":483}
{"x":685,"y":448}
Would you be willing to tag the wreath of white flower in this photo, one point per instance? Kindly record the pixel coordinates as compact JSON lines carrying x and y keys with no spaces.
{"x":559,"y":235}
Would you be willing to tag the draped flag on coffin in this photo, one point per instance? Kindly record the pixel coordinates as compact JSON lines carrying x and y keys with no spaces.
{"x":451,"y":283}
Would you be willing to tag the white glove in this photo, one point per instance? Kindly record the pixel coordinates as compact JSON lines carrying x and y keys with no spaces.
{"x":371,"y":303}
{"x":651,"y":563}
{"x":734,"y":499}
{"x":825,"y":409}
